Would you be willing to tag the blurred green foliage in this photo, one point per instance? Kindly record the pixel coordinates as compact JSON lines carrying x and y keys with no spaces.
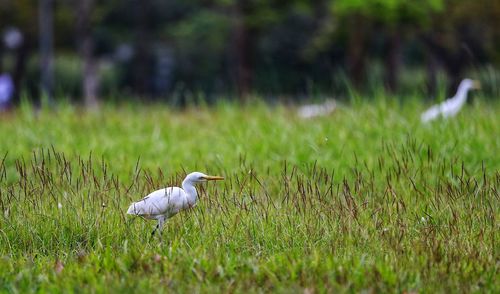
{"x":272,"y":47}
{"x":393,"y":12}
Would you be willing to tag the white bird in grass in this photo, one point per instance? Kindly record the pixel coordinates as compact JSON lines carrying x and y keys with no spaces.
{"x":165,"y":203}
{"x":452,"y":106}
{"x":314,"y":110}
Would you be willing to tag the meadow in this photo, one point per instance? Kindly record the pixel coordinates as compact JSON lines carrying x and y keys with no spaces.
{"x":367,"y":199}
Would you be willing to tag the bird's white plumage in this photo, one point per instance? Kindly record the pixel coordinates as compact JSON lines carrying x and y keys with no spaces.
{"x":314,"y":110}
{"x":164,"y":203}
{"x":452,"y":106}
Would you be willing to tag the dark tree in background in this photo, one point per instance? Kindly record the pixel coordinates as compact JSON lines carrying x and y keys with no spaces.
{"x":46,"y":20}
{"x":141,"y":76}
{"x":243,"y":47}
{"x":183,"y":50}
{"x":461,"y":37}
{"x":85,"y":40}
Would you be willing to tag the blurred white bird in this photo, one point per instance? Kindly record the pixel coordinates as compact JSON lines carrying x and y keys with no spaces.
{"x":6,"y":90}
{"x":165,"y":203}
{"x":313,"y":110}
{"x":452,"y":106}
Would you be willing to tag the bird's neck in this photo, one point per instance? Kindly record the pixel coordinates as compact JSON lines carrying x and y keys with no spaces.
{"x":191,"y":193}
{"x":462,"y":93}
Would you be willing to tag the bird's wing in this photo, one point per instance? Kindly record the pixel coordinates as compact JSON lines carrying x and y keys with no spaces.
{"x":159,"y":202}
{"x":451,"y":107}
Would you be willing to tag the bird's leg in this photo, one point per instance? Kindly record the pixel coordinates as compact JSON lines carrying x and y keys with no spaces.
{"x":159,"y":226}
{"x":156,"y":228}
{"x":161,"y":221}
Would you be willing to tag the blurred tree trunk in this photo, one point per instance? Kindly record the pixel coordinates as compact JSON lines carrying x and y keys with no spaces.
{"x":45,"y":19}
{"x":90,"y":82}
{"x":19,"y":71}
{"x":142,"y":45}
{"x":356,"y":51}
{"x":243,"y":49}
{"x":393,"y":60}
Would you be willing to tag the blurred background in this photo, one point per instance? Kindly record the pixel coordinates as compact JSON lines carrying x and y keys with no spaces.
{"x":183,"y":51}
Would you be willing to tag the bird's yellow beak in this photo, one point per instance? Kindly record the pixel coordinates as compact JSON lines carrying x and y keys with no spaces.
{"x":213,"y":178}
{"x":476,"y":84}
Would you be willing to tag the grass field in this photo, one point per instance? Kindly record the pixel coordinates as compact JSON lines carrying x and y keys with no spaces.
{"x":366,"y":199}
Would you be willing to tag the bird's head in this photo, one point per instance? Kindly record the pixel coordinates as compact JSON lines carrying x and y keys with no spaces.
{"x":471,"y":84}
{"x":198,"y":177}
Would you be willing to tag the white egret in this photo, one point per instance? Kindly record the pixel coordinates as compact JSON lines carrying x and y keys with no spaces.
{"x":314,"y":110}
{"x":452,"y":106}
{"x":162,"y":204}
